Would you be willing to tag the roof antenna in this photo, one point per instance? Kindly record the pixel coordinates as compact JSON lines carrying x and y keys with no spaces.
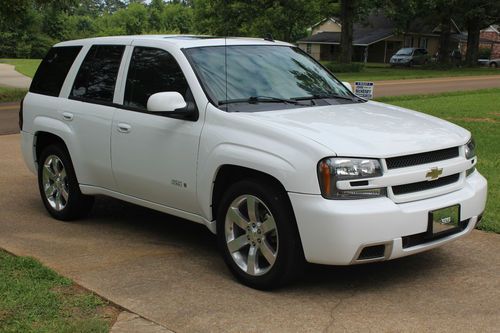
{"x":269,"y":37}
{"x":225,"y":48}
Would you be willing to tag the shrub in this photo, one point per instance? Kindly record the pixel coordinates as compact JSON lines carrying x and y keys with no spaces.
{"x":484,"y":53}
{"x":343,"y":68}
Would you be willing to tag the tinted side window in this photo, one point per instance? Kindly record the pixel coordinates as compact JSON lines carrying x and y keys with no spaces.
{"x":52,"y":72}
{"x":152,"y":70}
{"x":96,"y":79}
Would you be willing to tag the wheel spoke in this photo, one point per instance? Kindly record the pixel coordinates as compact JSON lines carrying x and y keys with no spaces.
{"x":57,"y":200}
{"x":49,"y":190}
{"x":47,"y":171}
{"x":65,"y":194}
{"x":268,"y":225}
{"x":237,"y":243}
{"x":252,"y":208}
{"x":252,"y":260}
{"x":236,"y":217}
{"x":58,"y":167}
{"x":267,"y":252}
{"x":62,"y":174}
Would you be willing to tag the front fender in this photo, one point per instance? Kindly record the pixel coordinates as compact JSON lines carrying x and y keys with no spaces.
{"x":243,"y":156}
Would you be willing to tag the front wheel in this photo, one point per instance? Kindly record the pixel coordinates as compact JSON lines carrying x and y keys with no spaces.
{"x":58,"y":185}
{"x":257,"y":233}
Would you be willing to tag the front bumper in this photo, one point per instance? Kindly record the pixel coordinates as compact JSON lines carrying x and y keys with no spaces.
{"x":333,"y":232}
{"x":399,"y":61}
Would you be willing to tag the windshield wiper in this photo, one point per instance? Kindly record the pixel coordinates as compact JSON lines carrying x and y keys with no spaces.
{"x":259,"y":99}
{"x":349,"y":98}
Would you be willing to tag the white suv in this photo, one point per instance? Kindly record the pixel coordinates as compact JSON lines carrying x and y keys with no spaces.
{"x":254,"y":139}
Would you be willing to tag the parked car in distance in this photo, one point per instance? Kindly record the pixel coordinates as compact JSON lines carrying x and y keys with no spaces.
{"x":254,"y":139}
{"x":494,"y":63}
{"x":410,"y":56}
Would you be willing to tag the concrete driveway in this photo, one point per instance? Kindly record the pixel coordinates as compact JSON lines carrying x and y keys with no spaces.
{"x":9,"y":77}
{"x":169,"y":271}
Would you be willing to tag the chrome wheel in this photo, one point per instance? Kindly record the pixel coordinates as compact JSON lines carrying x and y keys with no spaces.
{"x":55,"y":182}
{"x":251,"y":235}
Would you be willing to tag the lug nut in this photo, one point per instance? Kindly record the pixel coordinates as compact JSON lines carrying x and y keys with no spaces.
{"x":258,"y":240}
{"x":258,"y":231}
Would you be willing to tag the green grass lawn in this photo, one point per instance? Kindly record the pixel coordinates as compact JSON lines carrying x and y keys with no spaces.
{"x":34,"y":298}
{"x":11,"y":94}
{"x":376,"y":72}
{"x":24,"y":66}
{"x":479,"y":112}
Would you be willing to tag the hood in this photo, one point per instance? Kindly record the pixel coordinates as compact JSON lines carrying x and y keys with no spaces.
{"x":368,"y":129}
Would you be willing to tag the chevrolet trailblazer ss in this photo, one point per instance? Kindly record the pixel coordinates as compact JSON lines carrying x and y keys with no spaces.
{"x":255,"y":140}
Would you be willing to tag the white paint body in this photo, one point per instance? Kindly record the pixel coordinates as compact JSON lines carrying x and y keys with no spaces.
{"x":136,"y":156}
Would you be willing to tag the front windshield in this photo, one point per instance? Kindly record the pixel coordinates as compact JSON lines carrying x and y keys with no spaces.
{"x":405,"y":52}
{"x":253,"y":71}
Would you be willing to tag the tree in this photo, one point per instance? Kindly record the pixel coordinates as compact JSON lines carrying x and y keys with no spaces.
{"x":155,"y":15}
{"x":477,"y":15}
{"x":347,"y":16}
{"x":283,"y":19}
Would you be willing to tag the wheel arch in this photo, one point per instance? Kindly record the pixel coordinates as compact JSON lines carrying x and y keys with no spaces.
{"x":43,"y":139}
{"x":228,"y":174}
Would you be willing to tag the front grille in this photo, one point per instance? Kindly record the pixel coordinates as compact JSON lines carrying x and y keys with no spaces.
{"x":422,"y":158}
{"x":425,"y":185}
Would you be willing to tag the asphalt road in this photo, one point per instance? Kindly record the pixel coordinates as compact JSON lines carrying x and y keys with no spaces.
{"x":435,"y":85}
{"x":169,"y":271}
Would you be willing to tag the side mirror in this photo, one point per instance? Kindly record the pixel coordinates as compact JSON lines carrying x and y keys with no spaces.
{"x":347,"y":85}
{"x":169,"y":101}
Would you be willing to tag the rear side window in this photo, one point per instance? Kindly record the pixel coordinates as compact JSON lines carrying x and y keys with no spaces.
{"x":96,"y":79}
{"x":152,"y":70}
{"x":52,"y":72}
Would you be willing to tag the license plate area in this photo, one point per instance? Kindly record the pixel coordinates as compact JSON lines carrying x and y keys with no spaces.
{"x":444,"y":220}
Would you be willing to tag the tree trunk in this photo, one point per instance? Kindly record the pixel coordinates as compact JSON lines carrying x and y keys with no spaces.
{"x":473,"y":33}
{"x":444,"y":42}
{"x":347,"y":8}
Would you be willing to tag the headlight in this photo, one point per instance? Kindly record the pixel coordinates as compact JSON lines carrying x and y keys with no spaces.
{"x":470,"y":149}
{"x":333,"y":169}
{"x":470,"y":152}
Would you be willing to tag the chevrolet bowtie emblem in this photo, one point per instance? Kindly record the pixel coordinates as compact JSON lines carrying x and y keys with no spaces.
{"x":434,"y":173}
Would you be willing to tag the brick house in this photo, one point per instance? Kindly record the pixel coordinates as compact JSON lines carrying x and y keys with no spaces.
{"x":490,"y":37}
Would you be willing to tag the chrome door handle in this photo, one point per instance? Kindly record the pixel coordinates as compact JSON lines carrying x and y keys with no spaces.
{"x":124,"y":128}
{"x":67,"y":116}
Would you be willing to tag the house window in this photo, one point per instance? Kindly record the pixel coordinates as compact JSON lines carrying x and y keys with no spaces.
{"x":423,"y":43}
{"x":308,"y":48}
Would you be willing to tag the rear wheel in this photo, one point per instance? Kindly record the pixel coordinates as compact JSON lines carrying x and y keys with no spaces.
{"x":58,"y":185}
{"x":257,"y":234}
{"x":493,"y":65}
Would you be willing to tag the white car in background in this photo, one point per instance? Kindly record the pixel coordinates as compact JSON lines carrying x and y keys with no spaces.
{"x":255,"y":140}
{"x":494,"y":63}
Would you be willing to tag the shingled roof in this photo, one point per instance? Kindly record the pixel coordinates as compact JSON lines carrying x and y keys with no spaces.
{"x":377,"y":27}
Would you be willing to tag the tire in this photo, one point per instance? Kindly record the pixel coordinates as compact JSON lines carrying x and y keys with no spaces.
{"x":56,"y":175}
{"x":493,"y":65}
{"x":256,"y":236}
{"x":410,"y":64}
